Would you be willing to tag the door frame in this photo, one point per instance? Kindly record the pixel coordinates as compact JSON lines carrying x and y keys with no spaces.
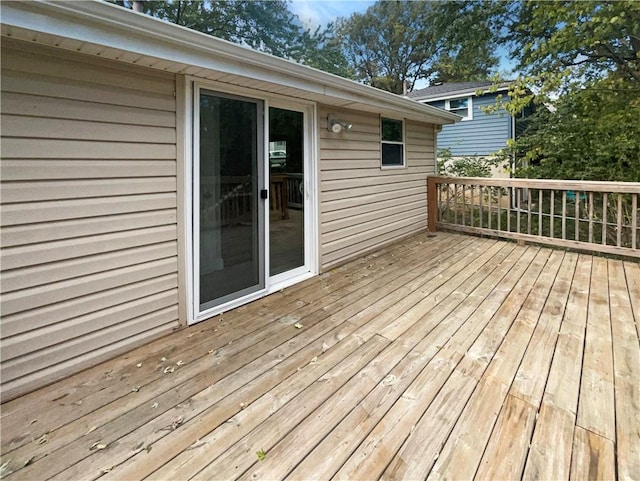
{"x":190,"y":93}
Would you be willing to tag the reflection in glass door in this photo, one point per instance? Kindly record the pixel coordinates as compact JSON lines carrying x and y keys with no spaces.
{"x":231,"y":260}
{"x":287,"y":199}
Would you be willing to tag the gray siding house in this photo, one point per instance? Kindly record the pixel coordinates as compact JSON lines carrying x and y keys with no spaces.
{"x":478,"y":133}
{"x":137,"y":194}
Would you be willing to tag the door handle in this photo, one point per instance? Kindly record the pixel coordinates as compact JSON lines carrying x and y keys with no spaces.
{"x":264,"y":194}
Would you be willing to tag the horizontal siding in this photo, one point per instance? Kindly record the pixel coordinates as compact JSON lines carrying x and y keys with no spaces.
{"x":361,"y":205}
{"x":88,"y":228}
{"x":485,"y":134}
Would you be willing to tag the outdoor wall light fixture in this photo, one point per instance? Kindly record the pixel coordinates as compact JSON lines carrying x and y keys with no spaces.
{"x":336,"y":126}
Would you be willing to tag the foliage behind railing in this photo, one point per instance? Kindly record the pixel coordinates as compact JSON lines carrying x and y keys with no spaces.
{"x":595,"y":216}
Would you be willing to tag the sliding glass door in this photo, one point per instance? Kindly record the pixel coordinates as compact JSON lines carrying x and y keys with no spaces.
{"x":230,"y":223}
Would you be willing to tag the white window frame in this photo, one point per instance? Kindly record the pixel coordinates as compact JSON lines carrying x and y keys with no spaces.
{"x":469,"y":116}
{"x":403,"y":143}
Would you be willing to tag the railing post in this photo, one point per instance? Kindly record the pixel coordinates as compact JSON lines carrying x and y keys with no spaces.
{"x":432,"y":204}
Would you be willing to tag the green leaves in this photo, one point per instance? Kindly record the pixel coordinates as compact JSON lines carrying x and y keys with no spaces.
{"x":398,"y":41}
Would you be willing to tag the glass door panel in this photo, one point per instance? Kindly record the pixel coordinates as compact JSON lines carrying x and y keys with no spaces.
{"x":231,"y":216}
{"x":286,"y":186}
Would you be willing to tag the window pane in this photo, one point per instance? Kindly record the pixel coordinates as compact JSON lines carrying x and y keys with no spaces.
{"x":458,"y":104}
{"x":392,"y":154}
{"x":392,"y":130}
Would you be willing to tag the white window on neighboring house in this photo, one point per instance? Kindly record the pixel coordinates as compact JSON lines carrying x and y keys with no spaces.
{"x":392,"y":144}
{"x":462,"y":107}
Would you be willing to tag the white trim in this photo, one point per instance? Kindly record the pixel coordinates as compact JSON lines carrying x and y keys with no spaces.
{"x":184,"y":96}
{"x":457,"y":95}
{"x":469,"y":116}
{"x":403,"y":143}
{"x":116,"y":30}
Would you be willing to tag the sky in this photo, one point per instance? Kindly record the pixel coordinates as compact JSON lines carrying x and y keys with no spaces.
{"x":320,"y":12}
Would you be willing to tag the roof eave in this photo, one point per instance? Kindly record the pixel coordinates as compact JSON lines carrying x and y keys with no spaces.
{"x":107,"y":24}
{"x":458,"y":93}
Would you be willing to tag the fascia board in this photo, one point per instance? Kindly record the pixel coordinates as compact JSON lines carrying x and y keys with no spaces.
{"x":111,"y":26}
{"x":459,"y":94}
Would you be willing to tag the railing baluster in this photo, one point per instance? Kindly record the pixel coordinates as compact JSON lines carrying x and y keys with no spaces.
{"x":564,"y":214}
{"x":634,"y":221}
{"x":490,"y":204}
{"x":464,"y":202}
{"x":455,"y":197}
{"x":448,"y":200}
{"x":518,"y":193}
{"x":481,"y":204}
{"x":509,"y":210}
{"x":604,"y":219}
{"x":499,"y":208}
{"x":471,"y":205}
{"x":552,"y":209}
{"x":577,"y":219}
{"x":540,"y":198}
{"x":528,"y":211}
{"x":619,"y":222}
{"x":590,"y":217}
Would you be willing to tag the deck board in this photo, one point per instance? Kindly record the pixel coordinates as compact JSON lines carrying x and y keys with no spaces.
{"x":438,"y":357}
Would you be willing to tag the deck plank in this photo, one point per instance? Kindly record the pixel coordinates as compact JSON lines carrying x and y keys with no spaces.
{"x":632,"y":272}
{"x":370,"y":459}
{"x":626,"y":362}
{"x":593,"y":457}
{"x":552,"y":443}
{"x":453,"y":327}
{"x":473,"y":429}
{"x":437,"y":357}
{"x":595,"y":407}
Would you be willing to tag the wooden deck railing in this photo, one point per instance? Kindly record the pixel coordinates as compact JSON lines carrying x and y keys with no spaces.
{"x":595,"y":216}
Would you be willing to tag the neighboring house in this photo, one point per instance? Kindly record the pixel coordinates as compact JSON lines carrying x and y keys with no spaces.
{"x":479,"y":133}
{"x":135,"y":172}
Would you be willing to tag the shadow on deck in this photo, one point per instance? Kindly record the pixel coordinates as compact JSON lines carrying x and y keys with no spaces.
{"x":440,"y":357}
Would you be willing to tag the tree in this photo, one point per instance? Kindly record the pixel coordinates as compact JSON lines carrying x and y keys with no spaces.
{"x":565,"y":46}
{"x":592,"y":134}
{"x":395,"y":42}
{"x":583,"y":58}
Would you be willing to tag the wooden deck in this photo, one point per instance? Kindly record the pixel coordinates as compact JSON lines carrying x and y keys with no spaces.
{"x":446,"y":357}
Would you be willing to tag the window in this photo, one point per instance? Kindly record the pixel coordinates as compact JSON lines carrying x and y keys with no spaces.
{"x":461,"y":107}
{"x":392,"y":143}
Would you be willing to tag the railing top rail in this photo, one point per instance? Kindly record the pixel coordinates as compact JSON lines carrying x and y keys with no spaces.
{"x":549,"y":184}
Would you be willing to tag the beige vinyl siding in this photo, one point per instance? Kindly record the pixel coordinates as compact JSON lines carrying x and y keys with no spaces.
{"x":361,"y":205}
{"x":88,"y":212}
